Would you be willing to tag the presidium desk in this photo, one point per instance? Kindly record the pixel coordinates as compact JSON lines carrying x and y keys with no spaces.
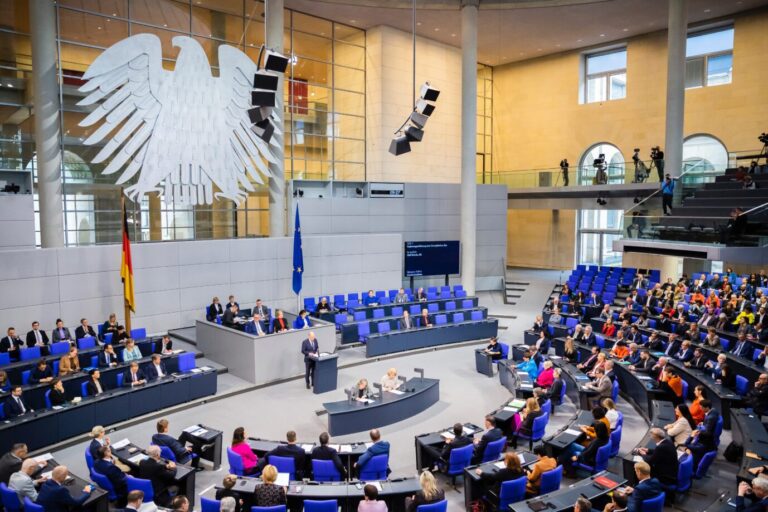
{"x":262,"y":359}
{"x":416,"y":395}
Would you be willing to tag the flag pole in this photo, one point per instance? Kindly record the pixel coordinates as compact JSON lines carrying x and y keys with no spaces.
{"x":126,"y":306}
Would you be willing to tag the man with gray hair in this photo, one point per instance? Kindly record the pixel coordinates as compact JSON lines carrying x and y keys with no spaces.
{"x":22,"y":482}
{"x":161,"y":473}
{"x":757,"y":493}
{"x":582,"y":505}
{"x":662,"y":459}
{"x":227,"y":504}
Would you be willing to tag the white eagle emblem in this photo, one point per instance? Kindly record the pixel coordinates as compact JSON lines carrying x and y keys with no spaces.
{"x":182,"y":131}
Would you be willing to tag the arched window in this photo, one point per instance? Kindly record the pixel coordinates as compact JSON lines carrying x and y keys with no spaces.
{"x":613,"y":158}
{"x":703,"y":153}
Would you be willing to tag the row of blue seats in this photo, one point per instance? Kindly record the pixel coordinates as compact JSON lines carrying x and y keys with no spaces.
{"x":62,"y":347}
{"x":364,"y":328}
{"x":344,"y":301}
{"x":413,"y":310}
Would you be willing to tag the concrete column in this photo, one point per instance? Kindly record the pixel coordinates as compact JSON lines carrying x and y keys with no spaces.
{"x":468,"y":143}
{"x":274,"y":23}
{"x":677,"y":34}
{"x":47,"y":123}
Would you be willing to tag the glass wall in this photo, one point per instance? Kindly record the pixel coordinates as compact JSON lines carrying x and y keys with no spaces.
{"x":709,"y":58}
{"x":484,"y":158}
{"x":605,"y":76}
{"x":324,"y":107}
{"x":597,"y":230}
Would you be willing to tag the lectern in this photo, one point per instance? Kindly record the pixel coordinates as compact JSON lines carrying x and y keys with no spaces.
{"x":483,"y":362}
{"x":326,"y":370}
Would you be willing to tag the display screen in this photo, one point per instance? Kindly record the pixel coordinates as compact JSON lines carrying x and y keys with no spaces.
{"x":431,"y":258}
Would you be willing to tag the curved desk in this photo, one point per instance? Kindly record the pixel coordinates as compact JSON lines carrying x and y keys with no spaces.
{"x":98,"y":501}
{"x":411,"y":339}
{"x":722,"y":398}
{"x":348,"y":452}
{"x":564,"y":499}
{"x":346,"y":417}
{"x":663,"y":414}
{"x":748,"y":431}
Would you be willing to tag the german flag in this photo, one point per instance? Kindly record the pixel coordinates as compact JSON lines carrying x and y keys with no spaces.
{"x":126,"y":267}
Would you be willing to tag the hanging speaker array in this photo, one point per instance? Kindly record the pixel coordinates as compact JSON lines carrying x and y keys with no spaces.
{"x":264,"y":93}
{"x":412,"y":130}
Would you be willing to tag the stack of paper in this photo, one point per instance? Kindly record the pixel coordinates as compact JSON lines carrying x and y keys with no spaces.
{"x":283,"y":479}
{"x":191,"y":428}
{"x":517,"y":403}
{"x":397,"y":391}
{"x":345,"y":448}
{"x":499,"y":464}
{"x":138,"y":458}
{"x":42,"y":459}
{"x":573,"y":432}
{"x":120,"y":444}
{"x":307,"y":447}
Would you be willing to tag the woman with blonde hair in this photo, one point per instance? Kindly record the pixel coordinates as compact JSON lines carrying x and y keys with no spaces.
{"x":268,"y":494}
{"x":390,"y":381}
{"x":611,"y":414}
{"x":570,"y":352}
{"x":429,"y":492}
{"x":530,"y":412}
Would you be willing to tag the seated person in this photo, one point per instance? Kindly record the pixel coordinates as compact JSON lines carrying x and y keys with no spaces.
{"x":680,"y":430}
{"x":430,"y":492}
{"x":555,"y":317}
{"x":279,"y":324}
{"x":110,"y":326}
{"x":757,"y":493}
{"x":161,"y":473}
{"x":60,"y":333}
{"x":215,"y":310}
{"x":362,"y":392}
{"x":229,"y":318}
{"x":57,"y":395}
{"x":699,"y":444}
{"x":268,"y":494}
{"x":232,"y":302}
{"x":512,"y":470}
{"x":525,"y":418}
{"x":672,"y":385}
{"x":37,"y":337}
{"x":241,"y":447}
{"x":108,"y":357}
{"x":646,"y":489}
{"x":699,"y":360}
{"x":757,"y":396}
{"x":256,"y":326}
{"x":69,"y":363}
{"x":493,"y":349}
{"x":543,"y":464}
{"x":323,"y":306}
{"x":588,"y":455}
{"x":401,"y":297}
{"x":379,"y":447}
{"x":133,"y":376}
{"x":105,"y":465}
{"x":390,"y":381}
{"x":556,"y":389}
{"x":164,"y":346}
{"x":227,"y":491}
{"x":609,"y":329}
{"x":15,"y":405}
{"x":182,"y":452}
{"x":263,"y":311}
{"x":421,"y":295}
{"x":131,"y":352}
{"x":302,"y":321}
{"x":425,"y":320}
{"x":591,"y":361}
{"x":84,"y":330}
{"x":662,"y":459}
{"x":156,"y":369}
{"x":406,"y":322}
{"x":370,"y":501}
{"x":41,"y":373}
{"x":54,"y":495}
{"x":22,"y":483}
{"x":290,"y":449}
{"x":492,"y":433}
{"x":371,"y":299}
{"x":570,"y":352}
{"x":590,"y":431}
{"x":529,"y":366}
{"x":325,"y":452}
{"x":5,"y":384}
{"x":120,"y":336}
{"x":633,"y":357}
{"x":94,"y":387}
{"x":620,"y":349}
{"x":685,"y":353}
{"x":547,"y":375}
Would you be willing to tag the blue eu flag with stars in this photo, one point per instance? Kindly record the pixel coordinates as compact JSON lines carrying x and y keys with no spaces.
{"x":298,"y":255}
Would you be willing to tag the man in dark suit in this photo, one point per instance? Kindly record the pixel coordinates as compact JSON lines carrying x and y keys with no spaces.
{"x":60,"y":333}
{"x":15,"y":404}
{"x":263,"y":311}
{"x":105,"y":465}
{"x":162,"y":475}
{"x":379,"y":447}
{"x":590,"y":361}
{"x":134,"y":376}
{"x":156,"y":369}
{"x":645,"y":364}
{"x":698,"y":361}
{"x":228,"y":319}
{"x":711,"y":417}
{"x":37,"y":336}
{"x":325,"y":452}
{"x":685,"y":353}
{"x":492,"y":433}
{"x":673,"y":345}
{"x":459,"y":440}
{"x":214,"y":310}
{"x":311,"y":351}
{"x":182,"y":453}
{"x":55,"y":497}
{"x":662,"y":459}
{"x":406,"y":322}
{"x":84,"y":330}
{"x":742,"y":347}
{"x":757,"y":396}
{"x":424,"y":319}
{"x":757,"y":493}
{"x":291,"y":449}
{"x":41,"y":373}
{"x":108,"y":357}
{"x":232,"y":302}
{"x":11,"y":343}
{"x":646,"y":488}
{"x":10,"y":463}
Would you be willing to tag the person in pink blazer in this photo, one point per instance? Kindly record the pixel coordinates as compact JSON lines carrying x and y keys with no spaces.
{"x":241,"y":447}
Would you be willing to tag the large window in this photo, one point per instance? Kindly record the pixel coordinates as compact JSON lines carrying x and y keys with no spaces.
{"x":605,"y":76}
{"x":613,"y":159}
{"x":597,"y":230}
{"x":709,"y":58}
{"x":484,"y":123}
{"x":324,"y":93}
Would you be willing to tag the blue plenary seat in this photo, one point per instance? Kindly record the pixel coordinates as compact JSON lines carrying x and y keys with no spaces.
{"x":432,"y":289}
{"x":450,"y":305}
{"x":601,"y":460}
{"x":684,"y":475}
{"x":284,"y":465}
{"x":340,"y":319}
{"x":383,"y":327}
{"x":511,"y":492}
{"x":742,"y":385}
{"x":353,"y":296}
{"x":440,"y":506}
{"x":375,"y":468}
{"x":550,"y":480}
{"x":103,"y":482}
{"x":466,"y":304}
{"x":236,"y":466}
{"x":504,"y":350}
{"x":86,"y":343}
{"x":433,"y":307}
{"x":414,"y":309}
{"x":459,"y":459}
{"x":84,"y":389}
{"x":186,"y":361}
{"x":458,"y":318}
{"x":140,"y":484}
{"x":31,"y":506}
{"x":60,"y":347}
{"x":615,"y":440}
{"x":397,"y":311}
{"x":325,"y":471}
{"x":385,"y":300}
{"x":359,"y":316}
{"x":25,"y":377}
{"x":363,"y":331}
{"x":276,"y":508}
{"x":320,"y":506}
{"x":29,"y":353}
{"x":441,"y":319}
{"x":338,"y":301}
{"x":5,"y":358}
{"x":9,"y":499}
{"x":139,"y":334}
{"x":88,"y":459}
{"x":476,"y":316}
{"x":493,"y":449}
{"x":108,"y":336}
{"x":309,"y":303}
{"x":378,"y":313}
{"x":209,"y":505}
{"x":654,"y":504}
{"x":538,"y":430}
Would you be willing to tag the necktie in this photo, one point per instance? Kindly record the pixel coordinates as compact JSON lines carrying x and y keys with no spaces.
{"x":38,"y":338}
{"x":258,"y":329}
{"x":133,"y":376}
{"x":107,"y":358}
{"x":21,"y":404}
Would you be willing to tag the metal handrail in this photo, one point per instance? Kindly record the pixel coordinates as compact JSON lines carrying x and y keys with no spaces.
{"x":691,"y":169}
{"x":756,"y":208}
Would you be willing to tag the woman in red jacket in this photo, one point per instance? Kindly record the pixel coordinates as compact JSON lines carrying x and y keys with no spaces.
{"x":608,"y":328}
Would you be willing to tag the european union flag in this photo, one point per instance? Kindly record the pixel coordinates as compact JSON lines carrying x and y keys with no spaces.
{"x":298,"y":255}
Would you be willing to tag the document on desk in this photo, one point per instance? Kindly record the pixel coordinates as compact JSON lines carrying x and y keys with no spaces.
{"x":196,"y":370}
{"x":345,"y":448}
{"x":46,"y":474}
{"x":136,"y":459}
{"x":572,"y":431}
{"x":191,"y":429}
{"x":307,"y":447}
{"x":637,"y":458}
{"x":120,"y":444}
{"x":396,"y":391}
{"x":499,"y":464}
{"x":468,"y":431}
{"x":517,"y":404}
{"x":42,"y":459}
{"x":366,"y":400}
{"x":377,"y":485}
{"x":206,"y":368}
{"x":448,"y":435}
{"x":334,"y":446}
{"x":283,"y":479}
{"x":368,"y":445}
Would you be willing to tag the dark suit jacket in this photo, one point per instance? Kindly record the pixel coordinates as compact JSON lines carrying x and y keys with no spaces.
{"x":589,"y":455}
{"x":35,"y":375}
{"x":81,"y":333}
{"x":213,"y":311}
{"x":56,"y":498}
{"x":31,"y":338}
{"x":288,"y":450}
{"x":328,"y":453}
{"x":710,"y":421}
{"x":152,"y":371}
{"x":555,"y":389}
{"x":103,"y":359}
{"x":699,"y":362}
{"x":745,"y":351}
{"x":90,"y":387}
{"x":492,"y":435}
{"x":178,"y":449}
{"x":644,"y":366}
{"x":7,"y":344}
{"x":9,"y":464}
{"x":458,"y":442}
{"x":228,"y":319}
{"x":424,"y":323}
{"x":279,"y":325}
{"x":12,"y":409}
{"x":647,"y":489}
{"x":94,"y":449}
{"x":756,"y":506}
{"x":663,"y":462}
{"x":127,"y":380}
{"x":161,"y":477}
{"x":307,"y":347}
{"x":113,"y":474}
{"x":57,"y":397}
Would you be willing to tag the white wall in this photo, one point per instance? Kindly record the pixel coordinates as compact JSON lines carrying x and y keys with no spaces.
{"x":176,"y":280}
{"x":428,"y":211}
{"x":389,"y":101}
{"x":17,"y":221}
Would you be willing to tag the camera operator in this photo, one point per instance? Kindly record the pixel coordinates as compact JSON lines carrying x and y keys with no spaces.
{"x":564,"y":170}
{"x":641,"y":171}
{"x":601,"y":178}
{"x":657,"y":155}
